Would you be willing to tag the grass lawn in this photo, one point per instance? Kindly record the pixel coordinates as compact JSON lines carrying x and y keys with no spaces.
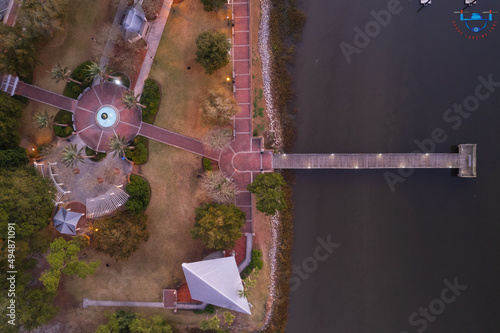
{"x":69,"y":47}
{"x":183,"y":89}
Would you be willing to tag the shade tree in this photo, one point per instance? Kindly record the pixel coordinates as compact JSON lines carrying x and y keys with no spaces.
{"x":218,"y":226}
{"x":268,"y":190}
{"x":212,"y":51}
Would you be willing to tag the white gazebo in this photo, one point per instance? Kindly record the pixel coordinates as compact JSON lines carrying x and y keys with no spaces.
{"x":216,"y":282}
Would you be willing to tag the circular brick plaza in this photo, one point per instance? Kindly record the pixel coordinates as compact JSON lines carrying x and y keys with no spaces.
{"x":100,"y":114}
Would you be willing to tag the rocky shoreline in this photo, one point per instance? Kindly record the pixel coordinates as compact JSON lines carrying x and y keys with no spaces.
{"x":275,"y":129}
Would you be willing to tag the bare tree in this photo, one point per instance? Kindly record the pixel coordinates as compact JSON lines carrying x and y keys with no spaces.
{"x":105,"y":33}
{"x":151,"y":8}
{"x":218,"y":138}
{"x":218,"y":108}
{"x":220,"y":189}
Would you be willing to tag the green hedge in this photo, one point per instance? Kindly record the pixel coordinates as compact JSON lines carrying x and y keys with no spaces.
{"x":210,"y":309}
{"x":90,"y":152}
{"x":63,"y":117}
{"x":256,"y":263}
{"x":151,"y":99}
{"x":138,"y":190}
{"x":207,"y":164}
{"x":73,"y":90}
{"x":138,"y":155}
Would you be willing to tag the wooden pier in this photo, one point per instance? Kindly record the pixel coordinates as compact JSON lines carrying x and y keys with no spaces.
{"x":464,"y":160}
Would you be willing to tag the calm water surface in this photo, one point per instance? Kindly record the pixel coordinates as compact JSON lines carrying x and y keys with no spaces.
{"x":396,"y":247}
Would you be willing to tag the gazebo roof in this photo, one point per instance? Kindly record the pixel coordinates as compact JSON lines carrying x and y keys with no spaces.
{"x":216,"y":282}
{"x":65,"y":221}
{"x":134,"y":19}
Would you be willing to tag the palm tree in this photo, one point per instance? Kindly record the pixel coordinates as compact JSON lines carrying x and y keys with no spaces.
{"x":96,"y":71}
{"x":58,"y":73}
{"x":71,"y":155}
{"x":244,"y":293}
{"x":131,"y":100}
{"x":118,"y":144}
{"x":43,"y":120}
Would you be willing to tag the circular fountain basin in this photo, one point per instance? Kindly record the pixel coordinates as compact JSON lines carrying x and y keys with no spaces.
{"x":107,"y":116}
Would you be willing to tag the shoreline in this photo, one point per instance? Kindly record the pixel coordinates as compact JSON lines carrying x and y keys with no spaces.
{"x":278,"y":92}
{"x":265,"y":56}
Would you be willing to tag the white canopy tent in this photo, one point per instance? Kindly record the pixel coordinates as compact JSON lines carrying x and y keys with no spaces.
{"x":216,"y":282}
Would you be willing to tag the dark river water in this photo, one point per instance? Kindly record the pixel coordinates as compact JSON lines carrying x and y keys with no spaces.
{"x":422,"y":255}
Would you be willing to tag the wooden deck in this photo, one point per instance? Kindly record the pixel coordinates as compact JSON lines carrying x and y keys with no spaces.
{"x":465,"y":160}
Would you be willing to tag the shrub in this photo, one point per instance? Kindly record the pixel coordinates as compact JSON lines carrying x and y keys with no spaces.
{"x":210,"y":309}
{"x":256,"y":263}
{"x":138,"y":155}
{"x":138,"y":190}
{"x":207,"y":164}
{"x":210,"y":5}
{"x":73,"y":90}
{"x":98,"y":156}
{"x":151,"y":99}
{"x":63,"y":117}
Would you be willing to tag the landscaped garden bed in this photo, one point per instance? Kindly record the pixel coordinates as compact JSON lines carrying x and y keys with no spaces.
{"x":63,"y":117}
{"x":139,"y":154}
{"x":151,"y":99}
{"x":98,"y":156}
{"x":73,"y":89}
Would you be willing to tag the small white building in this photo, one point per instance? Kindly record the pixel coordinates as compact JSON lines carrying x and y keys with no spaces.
{"x":216,"y":282}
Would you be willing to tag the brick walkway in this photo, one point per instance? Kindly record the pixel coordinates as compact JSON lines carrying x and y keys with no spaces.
{"x":45,"y":96}
{"x":177,"y":140}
